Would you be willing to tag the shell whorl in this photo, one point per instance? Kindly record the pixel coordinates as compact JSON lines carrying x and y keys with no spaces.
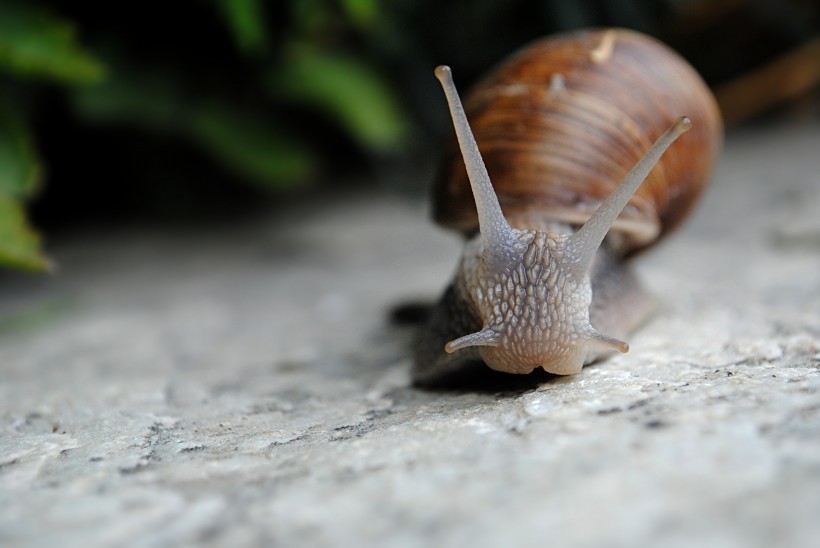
{"x":564,"y":119}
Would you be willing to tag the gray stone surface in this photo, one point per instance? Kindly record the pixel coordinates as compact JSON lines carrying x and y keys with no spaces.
{"x":242,"y":386}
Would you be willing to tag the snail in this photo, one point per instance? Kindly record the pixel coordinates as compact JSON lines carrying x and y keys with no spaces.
{"x":565,"y":128}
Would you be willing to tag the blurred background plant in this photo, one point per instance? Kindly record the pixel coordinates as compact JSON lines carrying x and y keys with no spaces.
{"x":194,"y":108}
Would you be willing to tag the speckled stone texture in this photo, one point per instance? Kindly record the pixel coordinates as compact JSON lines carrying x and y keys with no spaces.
{"x":244,"y":385}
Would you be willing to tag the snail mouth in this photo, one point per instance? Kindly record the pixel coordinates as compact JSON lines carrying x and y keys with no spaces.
{"x":566,"y":362}
{"x":569,"y":363}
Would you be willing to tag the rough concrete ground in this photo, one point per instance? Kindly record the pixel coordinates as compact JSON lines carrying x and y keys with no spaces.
{"x":243,"y":386}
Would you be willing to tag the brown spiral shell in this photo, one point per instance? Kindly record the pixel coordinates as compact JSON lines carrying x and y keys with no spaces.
{"x":562,"y":120}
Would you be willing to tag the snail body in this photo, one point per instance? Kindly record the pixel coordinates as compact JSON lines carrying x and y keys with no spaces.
{"x":558,"y":126}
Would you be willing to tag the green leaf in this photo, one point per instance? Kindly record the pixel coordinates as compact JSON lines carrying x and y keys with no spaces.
{"x":363,"y":13}
{"x":242,"y":140}
{"x":19,"y":165}
{"x":347,"y":90}
{"x":247,"y":22}
{"x":19,"y":179}
{"x":35,"y":43}
{"x":19,"y":244}
{"x":250,"y":146}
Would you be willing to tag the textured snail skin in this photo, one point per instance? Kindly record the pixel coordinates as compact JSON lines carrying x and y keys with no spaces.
{"x":532,"y":289}
{"x":619,"y":307}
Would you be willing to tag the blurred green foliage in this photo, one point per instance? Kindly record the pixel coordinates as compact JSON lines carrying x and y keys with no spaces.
{"x":345,"y":89}
{"x":19,"y":179}
{"x":33,"y":44}
{"x":110,"y":83}
{"x":246,"y":20}
{"x":103,"y":95}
